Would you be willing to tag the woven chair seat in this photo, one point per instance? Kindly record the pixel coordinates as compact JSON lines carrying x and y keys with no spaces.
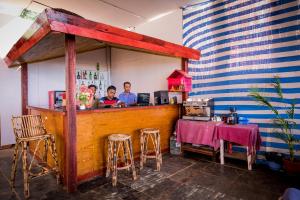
{"x":150,"y":130}
{"x":118,"y":137}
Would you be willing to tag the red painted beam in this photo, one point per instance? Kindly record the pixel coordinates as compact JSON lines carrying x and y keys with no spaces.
{"x":24,"y":87}
{"x":79,"y":26}
{"x":51,"y":20}
{"x":71,"y":153}
{"x":38,"y":30}
{"x":184,"y":67}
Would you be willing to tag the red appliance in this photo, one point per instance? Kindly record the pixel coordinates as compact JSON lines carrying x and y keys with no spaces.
{"x":56,"y":98}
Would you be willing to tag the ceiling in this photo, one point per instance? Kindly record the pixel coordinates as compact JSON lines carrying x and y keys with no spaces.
{"x":125,"y":14}
{"x":120,"y":13}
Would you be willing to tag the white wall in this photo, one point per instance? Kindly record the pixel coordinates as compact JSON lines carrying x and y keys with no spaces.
{"x":50,"y":74}
{"x":167,"y":28}
{"x":10,"y":101}
{"x":146,"y":72}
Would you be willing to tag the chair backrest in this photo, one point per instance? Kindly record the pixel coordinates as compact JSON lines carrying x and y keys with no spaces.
{"x":27,"y":126}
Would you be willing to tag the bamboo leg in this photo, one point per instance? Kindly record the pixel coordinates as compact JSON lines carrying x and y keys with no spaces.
{"x":145,"y":148}
{"x":159,"y":147}
{"x":14,"y":166}
{"x":108,"y":162}
{"x":125,"y":154}
{"x":25,"y":170}
{"x":157,"y":155}
{"x":54,"y":155}
{"x":46,"y":150}
{"x":132,"y":159}
{"x":142,"y":150}
{"x":114,"y":174}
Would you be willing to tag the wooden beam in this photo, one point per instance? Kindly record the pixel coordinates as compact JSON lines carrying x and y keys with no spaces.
{"x":37,"y":31}
{"x":24,"y":87}
{"x":71,"y":134}
{"x":184,"y":67}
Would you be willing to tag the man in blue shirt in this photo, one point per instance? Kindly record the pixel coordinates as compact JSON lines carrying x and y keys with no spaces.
{"x":127,"y":97}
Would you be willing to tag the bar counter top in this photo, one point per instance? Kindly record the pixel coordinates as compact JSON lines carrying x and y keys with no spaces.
{"x":99,"y":110}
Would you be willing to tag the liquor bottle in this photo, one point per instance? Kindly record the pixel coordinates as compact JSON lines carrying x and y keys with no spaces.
{"x":95,"y":76}
{"x":78,"y":75}
{"x":90,"y":76}
{"x":98,"y":66}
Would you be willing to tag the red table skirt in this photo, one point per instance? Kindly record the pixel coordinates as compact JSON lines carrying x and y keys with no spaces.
{"x":197,"y":132}
{"x":210,"y":133}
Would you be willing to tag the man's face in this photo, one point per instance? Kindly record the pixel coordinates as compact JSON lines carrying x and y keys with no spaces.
{"x":93,"y":90}
{"x":111,"y":93}
{"x":127,"y":88}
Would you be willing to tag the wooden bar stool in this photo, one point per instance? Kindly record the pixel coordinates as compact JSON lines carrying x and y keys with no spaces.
{"x":119,"y":148}
{"x":154,"y":135}
{"x":30,"y":128}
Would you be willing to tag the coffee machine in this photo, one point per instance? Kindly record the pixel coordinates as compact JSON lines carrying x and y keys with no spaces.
{"x":198,"y":109}
{"x":161,"y":97}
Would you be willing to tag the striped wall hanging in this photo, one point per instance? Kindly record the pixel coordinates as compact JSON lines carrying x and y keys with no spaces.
{"x":244,"y":44}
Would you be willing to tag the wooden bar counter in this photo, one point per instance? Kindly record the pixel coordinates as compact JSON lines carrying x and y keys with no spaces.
{"x":93,"y":127}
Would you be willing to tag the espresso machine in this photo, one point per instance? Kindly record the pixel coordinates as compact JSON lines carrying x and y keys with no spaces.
{"x":198,"y":109}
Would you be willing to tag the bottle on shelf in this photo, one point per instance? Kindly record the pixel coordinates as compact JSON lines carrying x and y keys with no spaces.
{"x":90,"y":76}
{"x":95,"y":76}
{"x":78,"y":75}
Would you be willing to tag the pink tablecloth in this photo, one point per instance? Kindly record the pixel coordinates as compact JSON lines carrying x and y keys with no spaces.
{"x":197,"y":132}
{"x":246,"y":135}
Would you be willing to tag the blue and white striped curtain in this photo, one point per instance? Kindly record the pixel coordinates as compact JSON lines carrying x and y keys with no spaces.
{"x":244,"y":44}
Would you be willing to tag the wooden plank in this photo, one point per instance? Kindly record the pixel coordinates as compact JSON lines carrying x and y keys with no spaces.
{"x":71,"y":155}
{"x":94,"y":128}
{"x":24,"y":87}
{"x":38,"y":30}
{"x":202,"y":149}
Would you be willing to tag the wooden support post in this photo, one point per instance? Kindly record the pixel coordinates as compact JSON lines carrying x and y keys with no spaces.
{"x":184,"y":67}
{"x":24,"y":87}
{"x":71,"y":153}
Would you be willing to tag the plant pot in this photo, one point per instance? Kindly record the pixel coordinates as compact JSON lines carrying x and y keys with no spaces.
{"x":291,"y":167}
{"x":82,"y":107}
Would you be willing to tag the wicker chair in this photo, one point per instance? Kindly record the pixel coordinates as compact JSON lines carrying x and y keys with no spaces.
{"x":30,"y":128}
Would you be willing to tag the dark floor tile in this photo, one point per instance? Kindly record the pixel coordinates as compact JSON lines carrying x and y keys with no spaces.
{"x":222,"y":170}
{"x":269,"y":180}
{"x":249,"y":191}
{"x":92,"y":184}
{"x":147,"y":178}
{"x":194,"y":176}
{"x":164,"y":189}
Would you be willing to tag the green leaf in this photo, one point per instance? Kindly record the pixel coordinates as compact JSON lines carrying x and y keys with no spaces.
{"x":291,"y":111}
{"x":262,"y":100}
{"x":277,"y":87}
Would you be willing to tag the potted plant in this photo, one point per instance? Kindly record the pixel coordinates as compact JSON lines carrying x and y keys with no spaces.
{"x":283,"y":125}
{"x":84,"y":97}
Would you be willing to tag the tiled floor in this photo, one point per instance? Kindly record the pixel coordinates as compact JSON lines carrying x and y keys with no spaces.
{"x":189,"y":177}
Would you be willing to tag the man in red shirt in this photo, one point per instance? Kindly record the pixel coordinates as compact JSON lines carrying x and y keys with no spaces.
{"x":110,"y":100}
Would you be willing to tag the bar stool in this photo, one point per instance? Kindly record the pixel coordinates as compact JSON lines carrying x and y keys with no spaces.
{"x":30,"y":128}
{"x":119,"y":144}
{"x":154,"y":135}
